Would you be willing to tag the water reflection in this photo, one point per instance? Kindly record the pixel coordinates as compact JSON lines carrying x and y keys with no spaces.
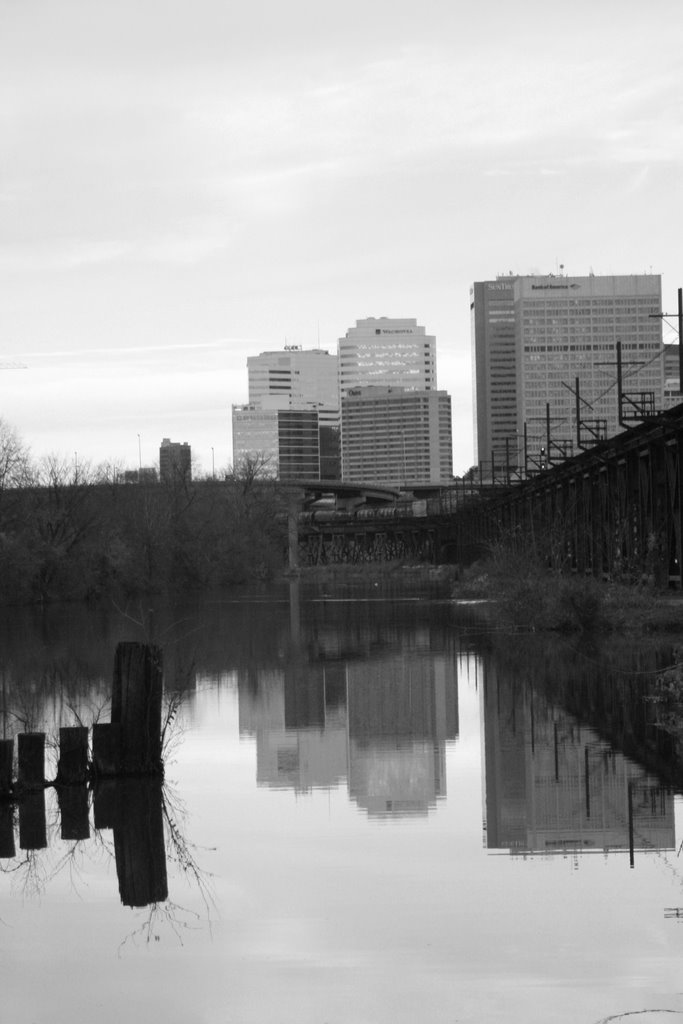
{"x":556,"y":777}
{"x":348,"y":706}
{"x":382,"y":726}
{"x":138,"y":821}
{"x":133,"y":809}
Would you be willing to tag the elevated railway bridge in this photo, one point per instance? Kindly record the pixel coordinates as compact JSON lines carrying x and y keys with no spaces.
{"x":614,"y":510}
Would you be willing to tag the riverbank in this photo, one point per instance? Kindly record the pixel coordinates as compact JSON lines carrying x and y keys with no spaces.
{"x":523,"y":596}
{"x":531,"y":598}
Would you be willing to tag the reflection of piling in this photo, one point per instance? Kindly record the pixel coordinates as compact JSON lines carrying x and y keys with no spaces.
{"x":7,"y":847}
{"x":73,"y":811}
{"x":32,"y":824}
{"x":136,"y":706}
{"x":6,"y":760}
{"x":106,"y":749}
{"x":105,"y":804}
{"x":139,"y":843}
{"x":72,"y":768}
{"x":31,"y":760}
{"x":129,"y":745}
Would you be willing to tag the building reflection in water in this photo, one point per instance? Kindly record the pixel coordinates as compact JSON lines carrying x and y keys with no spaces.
{"x":380,"y":724}
{"x":552,"y":785}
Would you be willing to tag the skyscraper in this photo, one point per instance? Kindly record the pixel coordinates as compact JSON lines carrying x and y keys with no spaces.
{"x":396,"y":437}
{"x":391,"y":353}
{"x":300,"y":376}
{"x":534,"y":337}
{"x":282,"y":442}
{"x":290,"y":391}
{"x":175,"y":461}
{"x":396,"y":428}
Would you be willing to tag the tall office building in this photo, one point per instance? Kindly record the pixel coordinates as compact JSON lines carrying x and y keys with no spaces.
{"x":285,"y":442}
{"x":534,"y":336}
{"x":175,"y":461}
{"x":289,"y":391}
{"x":396,"y":427}
{"x":672,"y":377}
{"x":396,"y":437}
{"x":396,"y":353}
{"x":300,"y":376}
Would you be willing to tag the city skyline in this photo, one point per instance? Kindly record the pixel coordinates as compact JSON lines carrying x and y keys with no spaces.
{"x":181,"y":193}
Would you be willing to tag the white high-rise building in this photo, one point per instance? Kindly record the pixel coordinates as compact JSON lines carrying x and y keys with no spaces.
{"x":291,"y":422}
{"x":298,"y":376}
{"x":396,"y":437}
{"x":396,"y":427}
{"x":387,"y":352}
{"x":533,"y":337}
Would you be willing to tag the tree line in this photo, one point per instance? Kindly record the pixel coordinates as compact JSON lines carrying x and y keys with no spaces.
{"x":70,"y":532}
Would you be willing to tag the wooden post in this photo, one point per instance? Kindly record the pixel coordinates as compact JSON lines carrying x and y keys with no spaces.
{"x":32,"y":760}
{"x":6,"y":761}
{"x":136,"y":706}
{"x":72,"y":768}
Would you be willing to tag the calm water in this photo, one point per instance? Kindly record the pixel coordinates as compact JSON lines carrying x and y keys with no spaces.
{"x":375,"y":811}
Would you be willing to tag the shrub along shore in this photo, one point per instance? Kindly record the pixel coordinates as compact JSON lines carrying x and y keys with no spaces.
{"x":81,"y":540}
{"x":520,"y":591}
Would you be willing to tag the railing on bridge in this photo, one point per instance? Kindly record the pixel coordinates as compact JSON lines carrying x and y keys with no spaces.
{"x":615,"y":510}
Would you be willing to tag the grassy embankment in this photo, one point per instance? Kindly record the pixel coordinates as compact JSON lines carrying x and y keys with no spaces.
{"x":524,"y":594}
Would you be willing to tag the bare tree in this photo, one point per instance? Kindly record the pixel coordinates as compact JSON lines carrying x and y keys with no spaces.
{"x":15,"y":463}
{"x":253,"y":467}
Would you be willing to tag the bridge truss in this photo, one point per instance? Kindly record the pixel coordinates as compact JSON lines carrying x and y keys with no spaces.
{"x":615,"y":510}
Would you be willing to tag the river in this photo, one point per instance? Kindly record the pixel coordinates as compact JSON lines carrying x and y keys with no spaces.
{"x":376,"y":808}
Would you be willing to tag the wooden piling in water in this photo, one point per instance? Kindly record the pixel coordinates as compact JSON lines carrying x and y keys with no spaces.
{"x":72,"y":768}
{"x":31,"y":760}
{"x":136,"y":706}
{"x":6,"y":763}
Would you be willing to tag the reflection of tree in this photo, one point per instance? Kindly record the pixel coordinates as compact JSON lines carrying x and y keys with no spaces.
{"x":160,"y":917}
{"x":28,"y":874}
{"x":180,"y":851}
{"x":167,"y":915}
{"x":147,"y":823}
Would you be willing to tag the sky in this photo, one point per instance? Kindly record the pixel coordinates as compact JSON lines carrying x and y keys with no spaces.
{"x":184,"y":184}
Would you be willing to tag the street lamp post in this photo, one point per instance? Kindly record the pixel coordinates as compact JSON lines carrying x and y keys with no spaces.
{"x":139,"y":458}
{"x":213,"y":465}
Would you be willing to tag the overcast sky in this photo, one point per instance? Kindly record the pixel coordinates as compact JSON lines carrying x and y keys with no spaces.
{"x":184,"y":184}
